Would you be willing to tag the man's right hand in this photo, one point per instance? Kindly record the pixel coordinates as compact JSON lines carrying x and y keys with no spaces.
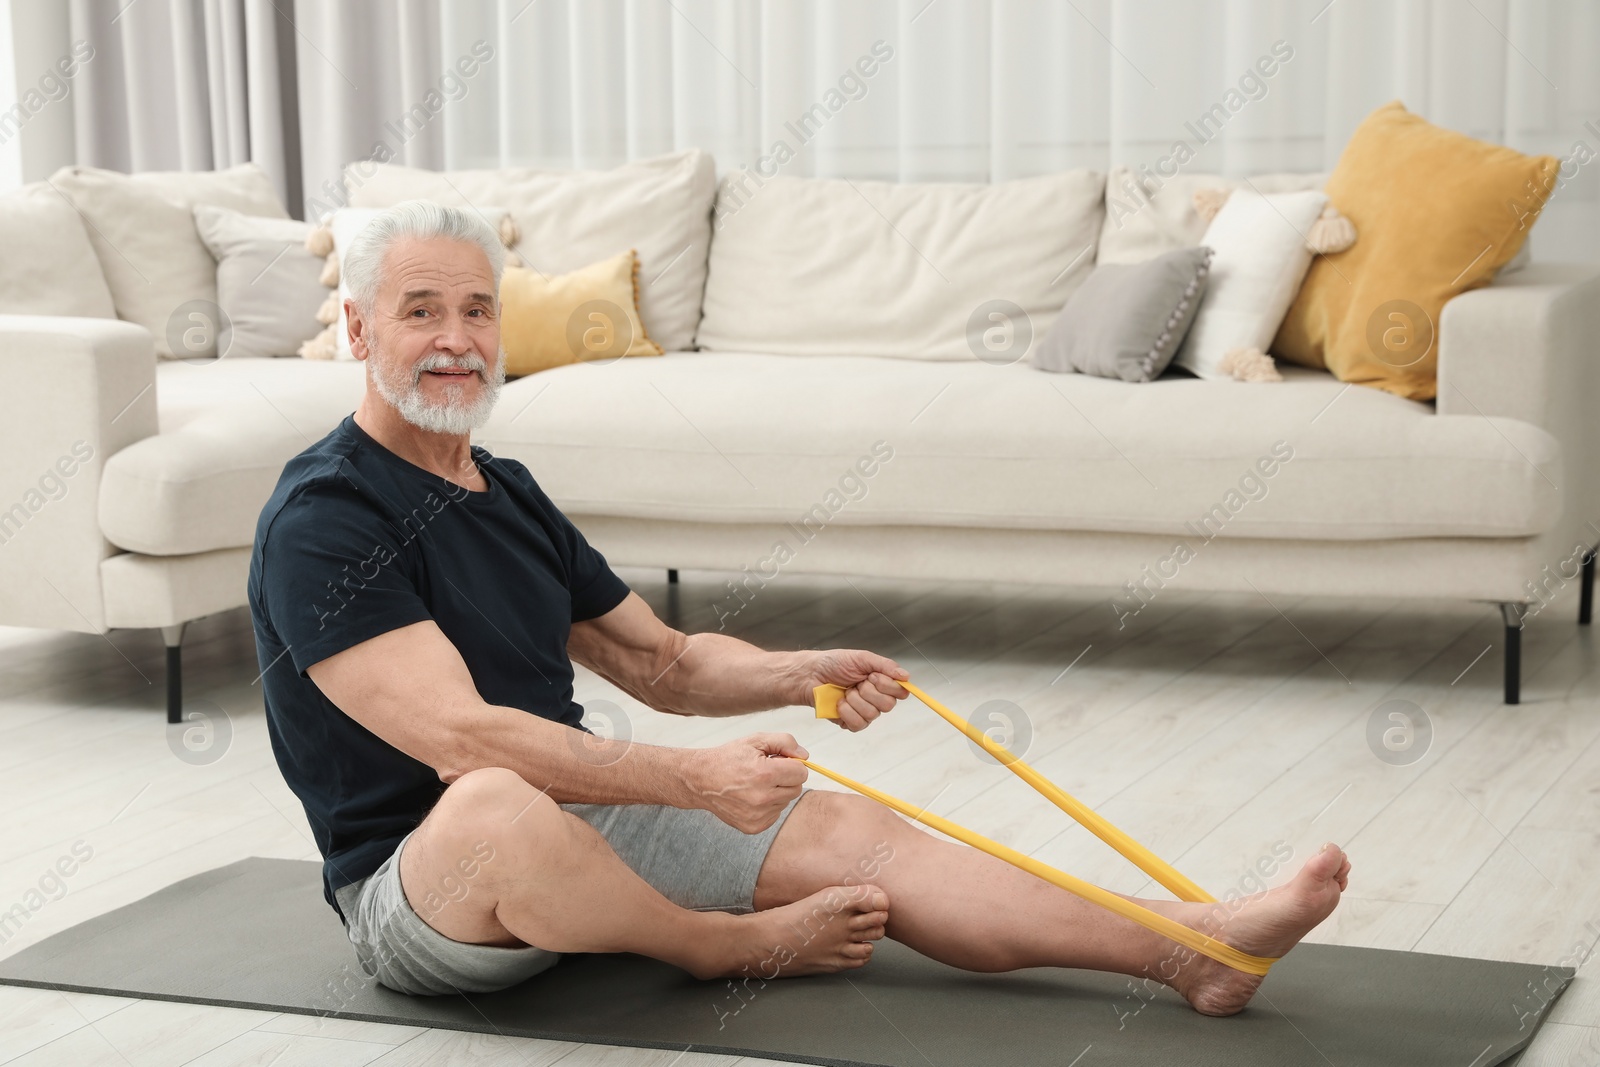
{"x":748,"y":782}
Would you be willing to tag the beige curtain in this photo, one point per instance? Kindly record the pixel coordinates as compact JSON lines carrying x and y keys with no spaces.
{"x":162,"y":85}
{"x":916,"y":90}
{"x":973,"y":90}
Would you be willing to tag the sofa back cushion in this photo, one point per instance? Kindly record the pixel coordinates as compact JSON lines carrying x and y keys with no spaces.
{"x":49,"y":266}
{"x":569,"y":219}
{"x":1147,"y":216}
{"x":142,"y":228}
{"x":810,"y":266}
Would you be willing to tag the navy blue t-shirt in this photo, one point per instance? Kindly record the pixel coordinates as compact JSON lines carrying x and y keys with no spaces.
{"x":356,"y":542}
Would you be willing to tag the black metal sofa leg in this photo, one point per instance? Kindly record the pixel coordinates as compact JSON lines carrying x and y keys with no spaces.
{"x":1513,"y":616}
{"x":1586,"y":590}
{"x":172,"y":637}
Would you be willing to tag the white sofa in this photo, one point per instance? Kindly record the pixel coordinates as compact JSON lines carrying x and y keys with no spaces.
{"x":832,"y":462}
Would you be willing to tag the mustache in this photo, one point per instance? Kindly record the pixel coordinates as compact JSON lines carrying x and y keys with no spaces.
{"x":442,"y":361}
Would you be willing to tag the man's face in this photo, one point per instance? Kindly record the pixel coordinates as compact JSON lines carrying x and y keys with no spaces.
{"x":433,"y":335}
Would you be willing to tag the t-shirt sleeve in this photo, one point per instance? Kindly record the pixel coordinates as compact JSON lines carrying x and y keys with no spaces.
{"x":334,"y":575}
{"x":596,"y":589}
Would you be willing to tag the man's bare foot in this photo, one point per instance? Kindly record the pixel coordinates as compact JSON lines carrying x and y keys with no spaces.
{"x":1267,"y":924}
{"x":831,"y":930}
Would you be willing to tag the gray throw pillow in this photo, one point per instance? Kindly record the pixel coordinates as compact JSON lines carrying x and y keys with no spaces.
{"x":1127,"y":319}
{"x":268,"y":285}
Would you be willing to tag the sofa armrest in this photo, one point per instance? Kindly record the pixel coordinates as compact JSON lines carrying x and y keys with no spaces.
{"x":76,"y":391}
{"x":1528,"y":347}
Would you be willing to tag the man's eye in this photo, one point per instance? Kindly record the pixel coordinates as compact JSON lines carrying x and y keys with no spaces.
{"x":419,"y":311}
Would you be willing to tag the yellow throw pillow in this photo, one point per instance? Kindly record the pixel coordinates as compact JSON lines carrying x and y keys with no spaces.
{"x":588,"y":314}
{"x":1438,"y":213}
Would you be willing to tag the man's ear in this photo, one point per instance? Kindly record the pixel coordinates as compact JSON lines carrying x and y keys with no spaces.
{"x":357,"y":328}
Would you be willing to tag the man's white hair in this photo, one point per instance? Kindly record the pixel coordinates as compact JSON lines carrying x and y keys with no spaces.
{"x":363,"y":262}
{"x":363,"y":273}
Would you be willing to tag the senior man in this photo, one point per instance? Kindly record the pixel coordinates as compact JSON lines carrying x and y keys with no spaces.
{"x":418,"y":605}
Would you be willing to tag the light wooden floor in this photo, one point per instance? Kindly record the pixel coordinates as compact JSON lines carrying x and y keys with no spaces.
{"x":1213,"y":728}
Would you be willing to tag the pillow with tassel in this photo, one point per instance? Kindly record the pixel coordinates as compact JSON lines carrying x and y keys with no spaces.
{"x":1127,"y":319}
{"x":1261,"y":256}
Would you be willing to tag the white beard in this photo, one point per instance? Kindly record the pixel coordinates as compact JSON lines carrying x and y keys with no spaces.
{"x":452,"y":415}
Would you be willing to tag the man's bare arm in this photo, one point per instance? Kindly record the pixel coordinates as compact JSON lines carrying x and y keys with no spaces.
{"x":714,"y":674}
{"x":411,"y":688}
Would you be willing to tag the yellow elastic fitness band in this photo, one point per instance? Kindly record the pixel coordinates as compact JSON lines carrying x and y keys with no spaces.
{"x":827,"y":701}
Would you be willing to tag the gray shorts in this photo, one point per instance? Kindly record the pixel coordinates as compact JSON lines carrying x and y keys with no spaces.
{"x":691,"y":857}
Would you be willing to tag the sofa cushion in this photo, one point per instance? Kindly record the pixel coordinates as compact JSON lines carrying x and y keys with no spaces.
{"x":227,"y":429}
{"x":742,"y":437}
{"x":939,"y":270}
{"x":143,"y":231}
{"x":49,"y":267}
{"x":661,"y":207}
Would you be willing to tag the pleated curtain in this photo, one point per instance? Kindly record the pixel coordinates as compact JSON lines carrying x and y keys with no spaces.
{"x":185,"y":85}
{"x":958,"y":90}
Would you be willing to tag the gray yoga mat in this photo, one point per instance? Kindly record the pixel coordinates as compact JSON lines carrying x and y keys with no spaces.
{"x":257,"y":934}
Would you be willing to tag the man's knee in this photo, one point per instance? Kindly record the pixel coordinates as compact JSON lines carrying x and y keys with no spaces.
{"x":476,"y":842}
{"x":497,"y":805}
{"x":855,"y":834}
{"x":846,"y":811}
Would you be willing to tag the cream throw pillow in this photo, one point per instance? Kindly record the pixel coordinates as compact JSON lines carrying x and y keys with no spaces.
{"x":142,"y":229}
{"x":1259,"y":259}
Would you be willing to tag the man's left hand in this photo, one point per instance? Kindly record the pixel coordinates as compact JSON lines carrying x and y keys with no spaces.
{"x":871,"y":683}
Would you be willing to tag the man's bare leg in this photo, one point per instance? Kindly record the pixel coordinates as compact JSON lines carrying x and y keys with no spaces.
{"x":966,"y":908}
{"x":552,"y":881}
